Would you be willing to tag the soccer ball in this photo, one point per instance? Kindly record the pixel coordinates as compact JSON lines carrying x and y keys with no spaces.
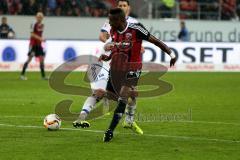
{"x":52,"y":122}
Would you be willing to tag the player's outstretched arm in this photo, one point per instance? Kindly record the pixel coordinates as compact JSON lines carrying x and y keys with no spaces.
{"x":160,"y":44}
{"x":163,"y":47}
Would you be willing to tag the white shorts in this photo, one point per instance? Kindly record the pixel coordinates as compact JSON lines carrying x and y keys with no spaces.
{"x":98,"y":75}
{"x":100,"y":84}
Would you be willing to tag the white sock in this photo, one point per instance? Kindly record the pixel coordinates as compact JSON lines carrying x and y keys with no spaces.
{"x":88,"y":105}
{"x":105,"y":105}
{"x":130,"y":111}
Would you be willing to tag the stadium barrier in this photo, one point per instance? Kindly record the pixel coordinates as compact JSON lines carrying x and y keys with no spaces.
{"x":190,"y":56}
{"x":166,"y":30}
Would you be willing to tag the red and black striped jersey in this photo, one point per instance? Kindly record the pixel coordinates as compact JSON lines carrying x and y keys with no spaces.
{"x":36,"y":28}
{"x":129,"y":42}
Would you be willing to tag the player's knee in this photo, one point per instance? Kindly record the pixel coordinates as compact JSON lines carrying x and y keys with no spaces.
{"x":132,"y":101}
{"x":124,"y":96}
{"x":133,"y":93}
{"x":41,"y":58}
{"x":29,"y":60}
{"x":99,"y":94}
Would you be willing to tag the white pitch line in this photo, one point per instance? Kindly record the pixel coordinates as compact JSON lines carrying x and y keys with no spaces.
{"x":22,"y":116}
{"x":206,"y":122}
{"x":194,"y":138}
{"x":203,"y":122}
{"x":147,"y":135}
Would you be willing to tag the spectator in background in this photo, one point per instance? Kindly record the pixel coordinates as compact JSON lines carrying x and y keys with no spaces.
{"x":3,"y":7}
{"x":166,"y":8}
{"x":98,"y":9}
{"x":183,"y":35}
{"x":58,"y":11}
{"x":30,"y":7}
{"x":189,"y":9}
{"x":95,"y":8}
{"x":5,"y":30}
{"x":14,"y":7}
{"x":51,"y":7}
{"x":72,"y":8}
{"x":228,"y":9}
{"x":209,"y":9}
{"x":238,"y":8}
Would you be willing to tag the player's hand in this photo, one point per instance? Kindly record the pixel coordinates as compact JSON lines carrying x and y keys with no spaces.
{"x":104,"y":58}
{"x":42,"y":39}
{"x":142,"y":50}
{"x":108,"y":46}
{"x":173,"y":61}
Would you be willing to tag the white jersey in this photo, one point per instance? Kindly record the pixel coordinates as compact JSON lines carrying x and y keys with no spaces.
{"x":106,"y":27}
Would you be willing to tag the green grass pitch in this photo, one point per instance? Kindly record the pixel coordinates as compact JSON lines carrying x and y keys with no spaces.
{"x":212,"y":133}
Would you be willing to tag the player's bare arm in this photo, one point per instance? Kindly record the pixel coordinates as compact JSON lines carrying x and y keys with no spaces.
{"x":104,"y":58}
{"x":37,"y":37}
{"x":163,"y":47}
{"x":142,"y":50}
{"x":103,"y":36}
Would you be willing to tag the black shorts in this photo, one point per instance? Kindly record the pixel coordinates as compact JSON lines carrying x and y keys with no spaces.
{"x":36,"y":50}
{"x":130,"y":79}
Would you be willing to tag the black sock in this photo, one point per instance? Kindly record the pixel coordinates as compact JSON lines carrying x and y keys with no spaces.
{"x":119,"y":111}
{"x":24,"y":68}
{"x":42,"y":69}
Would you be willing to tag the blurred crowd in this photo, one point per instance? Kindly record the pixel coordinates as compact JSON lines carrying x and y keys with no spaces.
{"x":201,"y":9}
{"x":183,"y":9}
{"x":210,"y":9}
{"x":94,"y":8}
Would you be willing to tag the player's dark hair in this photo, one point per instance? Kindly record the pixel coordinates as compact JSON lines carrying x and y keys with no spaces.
{"x":123,"y":1}
{"x":117,"y":12}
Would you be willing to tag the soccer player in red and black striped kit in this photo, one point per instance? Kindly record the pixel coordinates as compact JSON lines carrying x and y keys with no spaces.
{"x":35,"y":47}
{"x":126,"y":42}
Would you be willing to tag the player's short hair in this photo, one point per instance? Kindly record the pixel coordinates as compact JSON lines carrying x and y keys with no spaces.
{"x":123,"y":1}
{"x":39,"y":14}
{"x":117,"y":12}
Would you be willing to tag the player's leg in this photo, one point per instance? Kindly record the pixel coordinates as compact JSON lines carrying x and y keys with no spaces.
{"x":129,"y":118}
{"x":25,"y":65}
{"x":129,"y":122}
{"x":118,"y":113}
{"x":130,"y":110}
{"x":41,"y":55}
{"x":88,"y":106}
{"x":43,"y":75}
{"x":99,"y":91}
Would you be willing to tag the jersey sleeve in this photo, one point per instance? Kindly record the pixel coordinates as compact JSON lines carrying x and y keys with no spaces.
{"x":106,"y":27}
{"x":142,"y":32}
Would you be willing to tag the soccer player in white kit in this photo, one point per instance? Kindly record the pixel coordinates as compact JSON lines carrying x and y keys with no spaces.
{"x":98,"y":85}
